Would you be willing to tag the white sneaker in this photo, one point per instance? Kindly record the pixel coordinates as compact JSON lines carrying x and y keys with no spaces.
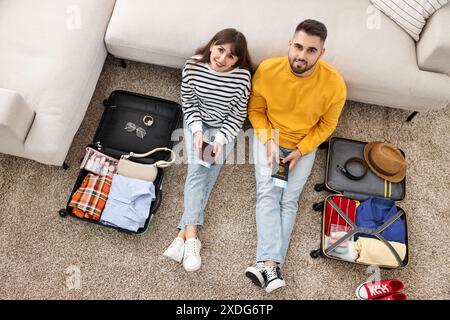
{"x":192,"y":260}
{"x":176,"y":250}
{"x":273,"y":278}
{"x":256,"y":274}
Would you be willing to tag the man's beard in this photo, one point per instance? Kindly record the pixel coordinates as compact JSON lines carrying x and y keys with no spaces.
{"x":301,"y":70}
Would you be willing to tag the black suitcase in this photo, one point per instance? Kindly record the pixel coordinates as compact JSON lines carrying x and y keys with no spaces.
{"x":111,"y":139}
{"x":339,"y":151}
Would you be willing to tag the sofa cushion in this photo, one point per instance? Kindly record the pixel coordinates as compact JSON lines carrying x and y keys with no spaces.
{"x":411,"y":15}
{"x":433,"y":49}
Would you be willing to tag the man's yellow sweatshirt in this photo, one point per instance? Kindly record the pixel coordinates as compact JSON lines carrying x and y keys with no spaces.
{"x":303,"y":110}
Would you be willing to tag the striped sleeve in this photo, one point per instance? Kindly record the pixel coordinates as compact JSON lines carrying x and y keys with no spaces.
{"x":235,"y":119}
{"x":189,"y":102}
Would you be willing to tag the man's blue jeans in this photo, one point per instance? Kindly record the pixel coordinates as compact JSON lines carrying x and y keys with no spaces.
{"x":200,"y":180}
{"x":276,"y":208}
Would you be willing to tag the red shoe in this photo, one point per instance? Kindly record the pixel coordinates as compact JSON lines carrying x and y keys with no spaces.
{"x":395,"y":296}
{"x":378,"y":289}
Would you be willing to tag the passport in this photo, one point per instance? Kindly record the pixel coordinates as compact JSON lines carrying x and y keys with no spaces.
{"x":207,"y":155}
{"x":281,"y":174}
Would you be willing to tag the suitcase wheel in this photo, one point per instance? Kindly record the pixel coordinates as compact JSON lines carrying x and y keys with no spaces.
{"x":319,"y":187}
{"x":318,"y":206}
{"x":315,"y":254}
{"x":63,"y":212}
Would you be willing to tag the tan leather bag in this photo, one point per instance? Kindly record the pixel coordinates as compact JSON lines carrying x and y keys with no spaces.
{"x":147,"y":172}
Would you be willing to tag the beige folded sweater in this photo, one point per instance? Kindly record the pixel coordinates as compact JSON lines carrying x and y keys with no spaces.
{"x":373,"y":251}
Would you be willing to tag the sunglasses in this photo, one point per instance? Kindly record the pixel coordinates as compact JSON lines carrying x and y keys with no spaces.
{"x":140,"y":132}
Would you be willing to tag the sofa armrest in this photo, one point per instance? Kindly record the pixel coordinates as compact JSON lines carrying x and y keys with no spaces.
{"x":433,"y":49}
{"x":16,"y":117}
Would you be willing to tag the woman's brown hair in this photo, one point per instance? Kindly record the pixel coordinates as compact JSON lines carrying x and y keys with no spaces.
{"x":238,"y":42}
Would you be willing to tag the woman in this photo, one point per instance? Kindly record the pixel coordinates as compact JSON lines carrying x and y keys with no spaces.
{"x":214,"y":93}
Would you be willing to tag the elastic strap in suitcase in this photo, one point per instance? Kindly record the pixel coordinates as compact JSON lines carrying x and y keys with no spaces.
{"x":356,"y":229}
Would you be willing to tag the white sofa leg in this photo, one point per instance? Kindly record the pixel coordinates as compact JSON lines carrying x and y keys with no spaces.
{"x":123,"y":63}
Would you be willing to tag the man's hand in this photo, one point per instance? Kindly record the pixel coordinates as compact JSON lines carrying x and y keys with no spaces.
{"x":293,"y":157}
{"x":198,"y":141}
{"x":217,"y":150}
{"x":272,"y":153}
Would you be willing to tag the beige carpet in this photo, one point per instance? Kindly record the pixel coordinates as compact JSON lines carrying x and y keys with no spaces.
{"x":41,"y":253}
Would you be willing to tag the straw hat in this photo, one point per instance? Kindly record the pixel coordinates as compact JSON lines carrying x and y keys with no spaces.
{"x":385,"y":160}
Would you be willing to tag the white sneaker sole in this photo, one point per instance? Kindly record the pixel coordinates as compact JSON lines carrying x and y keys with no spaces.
{"x":253,"y":274}
{"x":193,"y":268}
{"x":173,"y":256}
{"x":357,"y":292}
{"x":274,"y":285}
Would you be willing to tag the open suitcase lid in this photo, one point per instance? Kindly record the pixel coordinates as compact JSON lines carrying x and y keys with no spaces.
{"x":124,"y":107}
{"x":339,"y":151}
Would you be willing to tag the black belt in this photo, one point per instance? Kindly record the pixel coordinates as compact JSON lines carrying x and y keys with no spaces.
{"x":347,"y":173}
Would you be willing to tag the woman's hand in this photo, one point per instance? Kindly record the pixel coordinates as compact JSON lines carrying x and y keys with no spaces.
{"x":198,"y":141}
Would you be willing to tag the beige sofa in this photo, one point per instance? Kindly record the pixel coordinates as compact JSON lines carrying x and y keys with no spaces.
{"x":51,"y":55}
{"x":376,"y":57}
{"x":52,"y":52}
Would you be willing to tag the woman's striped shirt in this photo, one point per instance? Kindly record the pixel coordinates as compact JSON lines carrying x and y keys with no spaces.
{"x":218,"y":99}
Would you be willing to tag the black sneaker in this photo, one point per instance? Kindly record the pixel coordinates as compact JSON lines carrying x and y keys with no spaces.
{"x":256,"y":274}
{"x":273,"y":278}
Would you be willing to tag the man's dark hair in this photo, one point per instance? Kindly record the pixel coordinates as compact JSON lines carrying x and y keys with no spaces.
{"x":313,"y":28}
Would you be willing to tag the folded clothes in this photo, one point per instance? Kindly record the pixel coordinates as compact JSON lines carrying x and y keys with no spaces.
{"x":374,"y":252}
{"x":90,"y":198}
{"x":348,"y":206}
{"x":129,"y":203}
{"x":374,"y":212}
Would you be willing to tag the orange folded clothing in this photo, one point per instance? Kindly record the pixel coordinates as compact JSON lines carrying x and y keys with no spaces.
{"x":90,"y":198}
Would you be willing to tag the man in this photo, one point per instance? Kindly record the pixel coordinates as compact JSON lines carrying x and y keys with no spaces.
{"x":294,"y":106}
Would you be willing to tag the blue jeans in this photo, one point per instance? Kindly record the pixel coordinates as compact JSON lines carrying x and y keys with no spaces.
{"x":276,"y":208}
{"x":200,"y":180}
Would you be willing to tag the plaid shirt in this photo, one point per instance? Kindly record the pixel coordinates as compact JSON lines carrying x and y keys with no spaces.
{"x":90,"y":198}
